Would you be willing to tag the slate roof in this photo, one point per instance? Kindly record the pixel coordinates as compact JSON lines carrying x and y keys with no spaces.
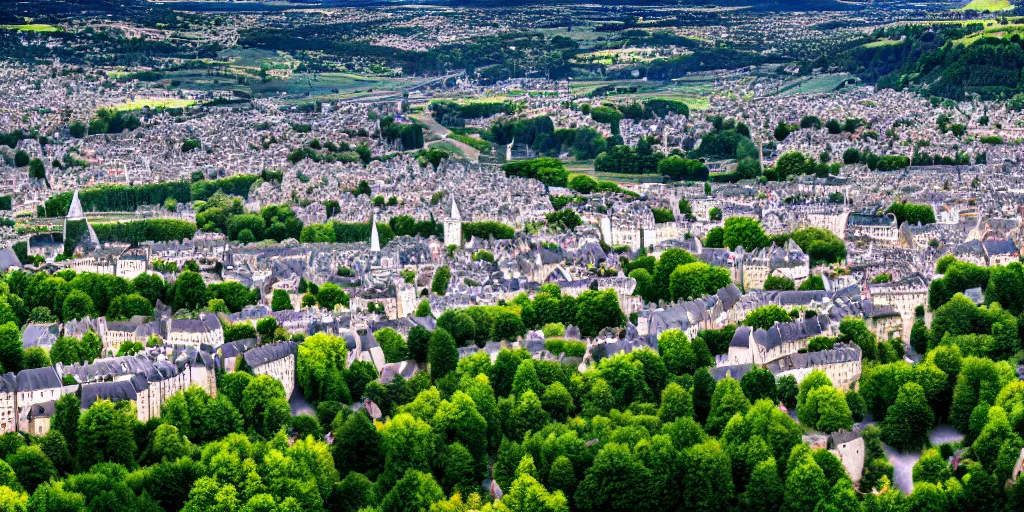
{"x":8,"y":383}
{"x":268,"y":353}
{"x":842,"y":353}
{"x":38,"y":378}
{"x":113,"y":391}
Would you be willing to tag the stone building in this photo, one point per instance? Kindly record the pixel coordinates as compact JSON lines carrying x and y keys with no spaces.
{"x":276,"y":360}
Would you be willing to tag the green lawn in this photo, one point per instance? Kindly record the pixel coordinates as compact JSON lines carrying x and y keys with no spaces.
{"x":141,"y":103}
{"x":987,"y":5}
{"x":882,"y":42}
{"x":36,"y":27}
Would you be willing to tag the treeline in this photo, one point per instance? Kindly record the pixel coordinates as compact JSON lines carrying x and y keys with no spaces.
{"x":137,"y":231}
{"x":110,"y":198}
{"x":549,"y":171}
{"x":343,"y":232}
{"x":410,"y":135}
{"x":117,"y":198}
{"x":540,"y":135}
{"x":912,"y":212}
{"x":643,"y":160}
{"x":924,"y":158}
{"x":453,"y":114}
{"x":109,"y":120}
{"x":487,"y":229}
{"x":876,"y":162}
{"x":929,"y":57}
{"x":795,"y":163}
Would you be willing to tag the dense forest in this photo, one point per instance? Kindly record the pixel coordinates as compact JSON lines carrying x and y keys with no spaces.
{"x":938,"y":61}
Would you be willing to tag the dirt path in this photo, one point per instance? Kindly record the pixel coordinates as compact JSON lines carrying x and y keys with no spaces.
{"x":442,"y":133}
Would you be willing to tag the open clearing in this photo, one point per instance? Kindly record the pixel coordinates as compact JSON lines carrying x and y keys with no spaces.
{"x":140,"y":103}
{"x":987,"y":5}
{"x":35,"y":27}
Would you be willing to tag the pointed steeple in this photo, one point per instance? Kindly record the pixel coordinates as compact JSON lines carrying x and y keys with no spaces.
{"x":374,"y":237}
{"x":455,"y":211}
{"x":75,"y":211}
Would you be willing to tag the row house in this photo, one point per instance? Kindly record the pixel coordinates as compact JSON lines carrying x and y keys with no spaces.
{"x":276,"y":360}
{"x":761,"y":346}
{"x":206,"y":330}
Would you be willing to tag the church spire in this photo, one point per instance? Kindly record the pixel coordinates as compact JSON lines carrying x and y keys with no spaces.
{"x":455,"y":210}
{"x":75,"y":211}
{"x":374,"y":237}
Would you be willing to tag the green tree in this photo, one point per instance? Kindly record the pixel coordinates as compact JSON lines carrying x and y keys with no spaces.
{"x":826,"y":410}
{"x":694,"y":280}
{"x":706,"y":477}
{"x":77,"y":305}
{"x":357,"y":446}
{"x":330,"y":295}
{"x":423,"y":309}
{"x":677,"y":352}
{"x":766,"y":316}
{"x":11,"y":354}
{"x":788,"y":390}
{"x":703,"y":390}
{"x":281,"y":301}
{"x":746,"y":232}
{"x":418,"y":343}
{"x":764,"y":490}
{"x":676,"y":402}
{"x":616,"y":481}
{"x":597,"y":310}
{"x":442,"y":277}
{"x":667,"y":263}
{"x":354,"y":492}
{"x":459,"y":324}
{"x":106,"y":433}
{"x":264,"y":408}
{"x":189,"y":291}
{"x":32,"y":466}
{"x":909,"y":419}
{"x":855,"y":330}
{"x":932,"y":467}
{"x":805,"y":484}
{"x":778,"y":283}
{"x":392,"y":344}
{"x":727,"y":400}
{"x":759,"y":383}
{"x":123,"y":307}
{"x":35,"y":357}
{"x":442,"y":354}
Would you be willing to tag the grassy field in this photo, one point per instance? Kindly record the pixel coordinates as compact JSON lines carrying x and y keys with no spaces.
{"x":814,"y":85}
{"x":587,"y":167}
{"x":36,"y":27}
{"x":1000,"y":31}
{"x":987,"y":5}
{"x":695,"y":92}
{"x":330,"y":86}
{"x":140,"y":103}
{"x":882,"y":42}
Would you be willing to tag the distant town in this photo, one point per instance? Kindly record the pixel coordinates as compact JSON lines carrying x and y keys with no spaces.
{"x":283,"y":256}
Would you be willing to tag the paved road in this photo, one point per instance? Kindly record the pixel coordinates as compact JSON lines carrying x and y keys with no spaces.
{"x":300,"y":407}
{"x":903,"y":463}
{"x":442,"y":132}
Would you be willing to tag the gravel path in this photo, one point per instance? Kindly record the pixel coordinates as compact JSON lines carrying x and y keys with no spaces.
{"x":300,"y":407}
{"x":903,"y":462}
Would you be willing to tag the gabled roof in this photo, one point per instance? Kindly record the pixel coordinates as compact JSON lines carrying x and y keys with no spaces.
{"x":38,"y":378}
{"x":269,"y":353}
{"x":113,"y":391}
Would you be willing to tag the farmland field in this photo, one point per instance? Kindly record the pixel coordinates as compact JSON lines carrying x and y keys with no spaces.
{"x":37,"y":27}
{"x":814,"y":85}
{"x":987,"y":5}
{"x":141,"y":103}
